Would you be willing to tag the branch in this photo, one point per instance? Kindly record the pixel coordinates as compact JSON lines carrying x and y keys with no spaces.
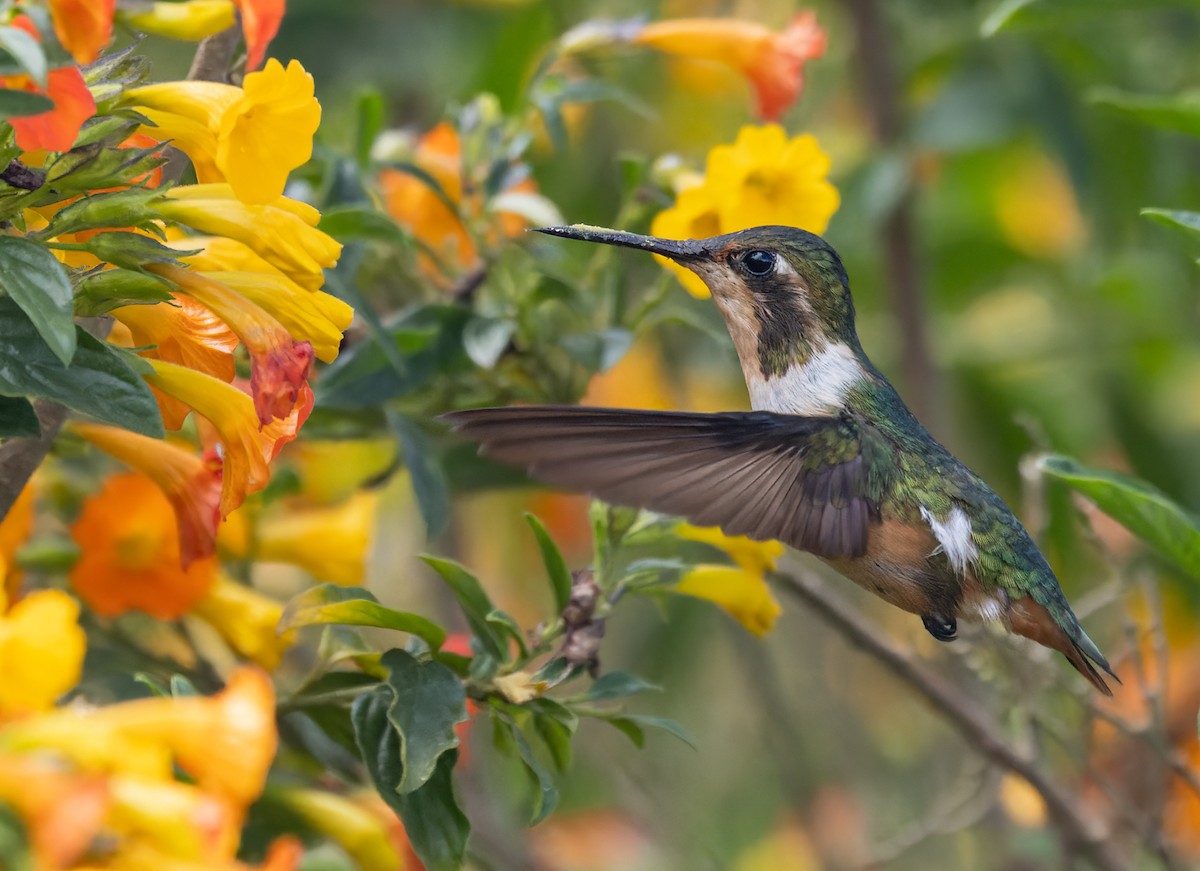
{"x":214,"y":55}
{"x":880,"y":84}
{"x":947,"y":701}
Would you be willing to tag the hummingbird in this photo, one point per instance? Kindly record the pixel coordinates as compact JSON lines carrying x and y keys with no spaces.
{"x":829,"y":461}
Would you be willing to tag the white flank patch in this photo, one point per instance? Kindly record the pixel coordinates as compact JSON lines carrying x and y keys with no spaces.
{"x":989,"y":608}
{"x":818,"y":386}
{"x":954,"y":538}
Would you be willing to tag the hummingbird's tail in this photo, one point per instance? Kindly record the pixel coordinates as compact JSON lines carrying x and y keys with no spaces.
{"x":1027,"y":617}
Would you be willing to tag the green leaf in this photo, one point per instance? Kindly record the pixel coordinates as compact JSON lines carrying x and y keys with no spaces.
{"x":557,"y":736}
{"x":35,"y":280}
{"x":1179,"y":112}
{"x":17,"y":104}
{"x":545,"y":792}
{"x":473,"y":601}
{"x":369,"y":121}
{"x":351,"y":223}
{"x":99,"y":381}
{"x":1142,"y":509}
{"x":425,"y":473}
{"x":1186,"y":221}
{"x":435,"y":825}
{"x":632,"y":725}
{"x":506,"y":625}
{"x":26,"y":51}
{"x":616,"y":685}
{"x":485,"y":340}
{"x":18,"y":420}
{"x":354,"y":606}
{"x":538,"y":210}
{"x":556,"y":566}
{"x":429,"y":701}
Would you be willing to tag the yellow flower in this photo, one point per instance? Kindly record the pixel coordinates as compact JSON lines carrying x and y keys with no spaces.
{"x":41,"y":651}
{"x":192,"y":484}
{"x":251,"y":136}
{"x":225,"y":742}
{"x":176,"y":818}
{"x":279,"y":365}
{"x":762,"y":178}
{"x":311,"y":316}
{"x":330,"y":542}
{"x":773,"y":62}
{"x":191,"y":20}
{"x":1037,"y":208}
{"x":331,"y":471}
{"x":1023,"y":803}
{"x":785,"y":849}
{"x":232,"y":413}
{"x":222,"y":254}
{"x":740,"y":590}
{"x":282,"y":232}
{"x":362,"y":834}
{"x":247,"y":620}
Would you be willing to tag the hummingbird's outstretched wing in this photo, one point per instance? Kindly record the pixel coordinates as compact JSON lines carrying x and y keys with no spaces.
{"x":800,"y":480}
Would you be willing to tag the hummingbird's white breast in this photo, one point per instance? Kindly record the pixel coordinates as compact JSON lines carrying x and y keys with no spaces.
{"x":817,"y":387}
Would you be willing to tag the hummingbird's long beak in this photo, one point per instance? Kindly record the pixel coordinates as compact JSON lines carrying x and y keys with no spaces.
{"x":688,"y":249}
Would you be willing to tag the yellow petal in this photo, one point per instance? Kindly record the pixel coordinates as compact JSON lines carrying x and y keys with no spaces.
{"x":358,"y":831}
{"x":744,"y":596}
{"x":191,"y":20}
{"x":41,"y":652}
{"x":247,"y":620}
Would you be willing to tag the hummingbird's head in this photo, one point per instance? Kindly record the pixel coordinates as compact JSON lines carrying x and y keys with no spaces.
{"x":782,"y":291}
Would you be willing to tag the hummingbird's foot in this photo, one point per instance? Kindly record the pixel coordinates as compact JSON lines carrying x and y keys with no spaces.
{"x":939,"y":627}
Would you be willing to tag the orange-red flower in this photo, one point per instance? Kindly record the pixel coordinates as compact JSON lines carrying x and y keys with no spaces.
{"x":246,"y":448}
{"x":260,"y":23}
{"x":279,"y":364}
{"x":57,"y":129}
{"x":773,"y":62}
{"x":186,"y":333}
{"x":83,"y":27}
{"x":192,"y":484}
{"x":129,"y":553}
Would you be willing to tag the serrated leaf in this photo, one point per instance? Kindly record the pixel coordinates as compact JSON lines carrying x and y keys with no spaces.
{"x":617,"y":685}
{"x":1142,"y":509}
{"x":18,"y":104}
{"x":36,"y":281}
{"x":18,"y":420}
{"x":556,"y":566}
{"x":354,"y":606}
{"x":27,"y":52}
{"x":436,"y":826}
{"x":474,"y":602}
{"x":99,"y":381}
{"x":429,"y":701}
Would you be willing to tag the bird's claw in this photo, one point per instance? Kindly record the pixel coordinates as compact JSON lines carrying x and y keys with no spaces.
{"x":941,"y":628}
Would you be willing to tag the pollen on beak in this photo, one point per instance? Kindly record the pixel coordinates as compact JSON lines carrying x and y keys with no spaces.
{"x":681,"y":251}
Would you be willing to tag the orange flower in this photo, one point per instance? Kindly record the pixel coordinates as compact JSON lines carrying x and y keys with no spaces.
{"x":62,"y":811}
{"x":190,"y":483}
{"x":412,"y":203}
{"x":186,"y":333}
{"x":231,"y":412}
{"x":260,"y":23}
{"x":773,"y":62}
{"x":57,"y":129}
{"x":83,"y":27}
{"x":15,"y":527}
{"x":130,"y":558}
{"x":279,"y":364}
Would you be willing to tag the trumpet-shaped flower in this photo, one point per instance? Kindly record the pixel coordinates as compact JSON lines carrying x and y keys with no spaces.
{"x":222,"y":254}
{"x":190,"y":20}
{"x":247,"y":620}
{"x":186,"y":333}
{"x":129,"y":553}
{"x":762,"y":178}
{"x":330,"y":542}
{"x":282,"y":232}
{"x":226,"y":742}
{"x":176,"y":818}
{"x":192,"y":484}
{"x":279,"y":365}
{"x":773,"y":62}
{"x":251,"y":136}
{"x":740,"y":590}
{"x":314,"y":317}
{"x":360,"y":832}
{"x":231,"y":412}
{"x":331,"y":471}
{"x":260,"y":23}
{"x":83,"y":27}
{"x":57,"y":128}
{"x":41,"y":651}
{"x":62,"y":810}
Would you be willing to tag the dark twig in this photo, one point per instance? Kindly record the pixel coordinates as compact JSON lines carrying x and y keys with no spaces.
{"x":214,"y":56}
{"x":880,"y":85}
{"x":979,"y":731}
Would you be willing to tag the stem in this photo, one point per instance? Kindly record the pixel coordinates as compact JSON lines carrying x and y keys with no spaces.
{"x":947,"y":701}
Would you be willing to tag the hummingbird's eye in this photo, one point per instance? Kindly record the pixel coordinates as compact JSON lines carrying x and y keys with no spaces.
{"x":758,"y":262}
